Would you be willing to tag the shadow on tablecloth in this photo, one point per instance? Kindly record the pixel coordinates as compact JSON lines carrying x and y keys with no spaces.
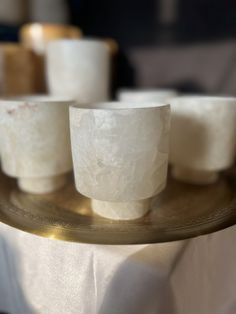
{"x":141,"y":284}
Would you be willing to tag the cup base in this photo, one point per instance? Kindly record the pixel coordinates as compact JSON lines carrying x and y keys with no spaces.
{"x":194,"y":176}
{"x":121,"y":210}
{"x":42,"y":185}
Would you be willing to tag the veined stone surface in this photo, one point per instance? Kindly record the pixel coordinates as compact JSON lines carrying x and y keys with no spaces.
{"x":35,"y":139}
{"x":203,"y":133}
{"x":161,"y":95}
{"x":79,"y":69}
{"x":120,"y":150}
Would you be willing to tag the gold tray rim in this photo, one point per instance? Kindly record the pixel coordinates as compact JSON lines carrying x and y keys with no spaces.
{"x":118,"y":236}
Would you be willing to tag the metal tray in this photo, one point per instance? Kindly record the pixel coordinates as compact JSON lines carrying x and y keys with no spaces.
{"x":182,"y":211}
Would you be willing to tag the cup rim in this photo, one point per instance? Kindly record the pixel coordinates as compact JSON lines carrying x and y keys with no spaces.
{"x":203,"y":98}
{"x":120,"y":105}
{"x":75,"y":41}
{"x":146,"y":91}
{"x":36,"y":99}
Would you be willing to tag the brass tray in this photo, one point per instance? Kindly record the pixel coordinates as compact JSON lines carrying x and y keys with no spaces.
{"x":182,"y":211}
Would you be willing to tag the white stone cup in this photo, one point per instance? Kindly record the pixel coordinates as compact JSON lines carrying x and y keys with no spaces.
{"x":133,"y":95}
{"x":120,"y":155}
{"x":79,"y":69}
{"x":35,"y":142}
{"x":203,"y":137}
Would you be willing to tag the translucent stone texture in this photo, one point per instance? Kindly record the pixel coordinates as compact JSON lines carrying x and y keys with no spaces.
{"x":79,"y":69}
{"x":203,"y":137}
{"x":120,"y":151}
{"x":35,"y":141}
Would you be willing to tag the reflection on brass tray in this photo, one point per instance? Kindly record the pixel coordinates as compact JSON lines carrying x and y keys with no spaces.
{"x":181,"y":211}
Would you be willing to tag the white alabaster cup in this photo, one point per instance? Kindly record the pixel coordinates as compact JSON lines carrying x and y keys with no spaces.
{"x":35,"y":142}
{"x":120,"y":155}
{"x":203,"y":137}
{"x":79,"y":69}
{"x":133,"y":95}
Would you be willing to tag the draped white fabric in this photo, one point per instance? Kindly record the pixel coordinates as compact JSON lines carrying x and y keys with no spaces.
{"x":46,"y":276}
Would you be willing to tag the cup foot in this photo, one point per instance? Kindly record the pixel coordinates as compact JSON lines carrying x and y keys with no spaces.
{"x":42,"y":185}
{"x":194,"y":176}
{"x":121,"y":210}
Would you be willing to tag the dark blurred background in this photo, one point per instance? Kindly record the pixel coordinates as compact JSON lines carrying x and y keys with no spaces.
{"x":154,"y":22}
{"x":186,"y":44}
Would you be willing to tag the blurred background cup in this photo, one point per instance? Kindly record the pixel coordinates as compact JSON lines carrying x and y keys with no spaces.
{"x":120,"y":155}
{"x":17,"y":70}
{"x":35,"y":142}
{"x":36,"y":36}
{"x":203,"y":137}
{"x":79,"y":69}
{"x":161,"y":95}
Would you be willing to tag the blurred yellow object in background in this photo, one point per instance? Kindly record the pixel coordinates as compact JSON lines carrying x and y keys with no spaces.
{"x":36,"y":37}
{"x":17,"y":70}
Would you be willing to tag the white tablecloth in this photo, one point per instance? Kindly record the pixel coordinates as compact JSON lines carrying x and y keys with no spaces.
{"x":46,"y":276}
